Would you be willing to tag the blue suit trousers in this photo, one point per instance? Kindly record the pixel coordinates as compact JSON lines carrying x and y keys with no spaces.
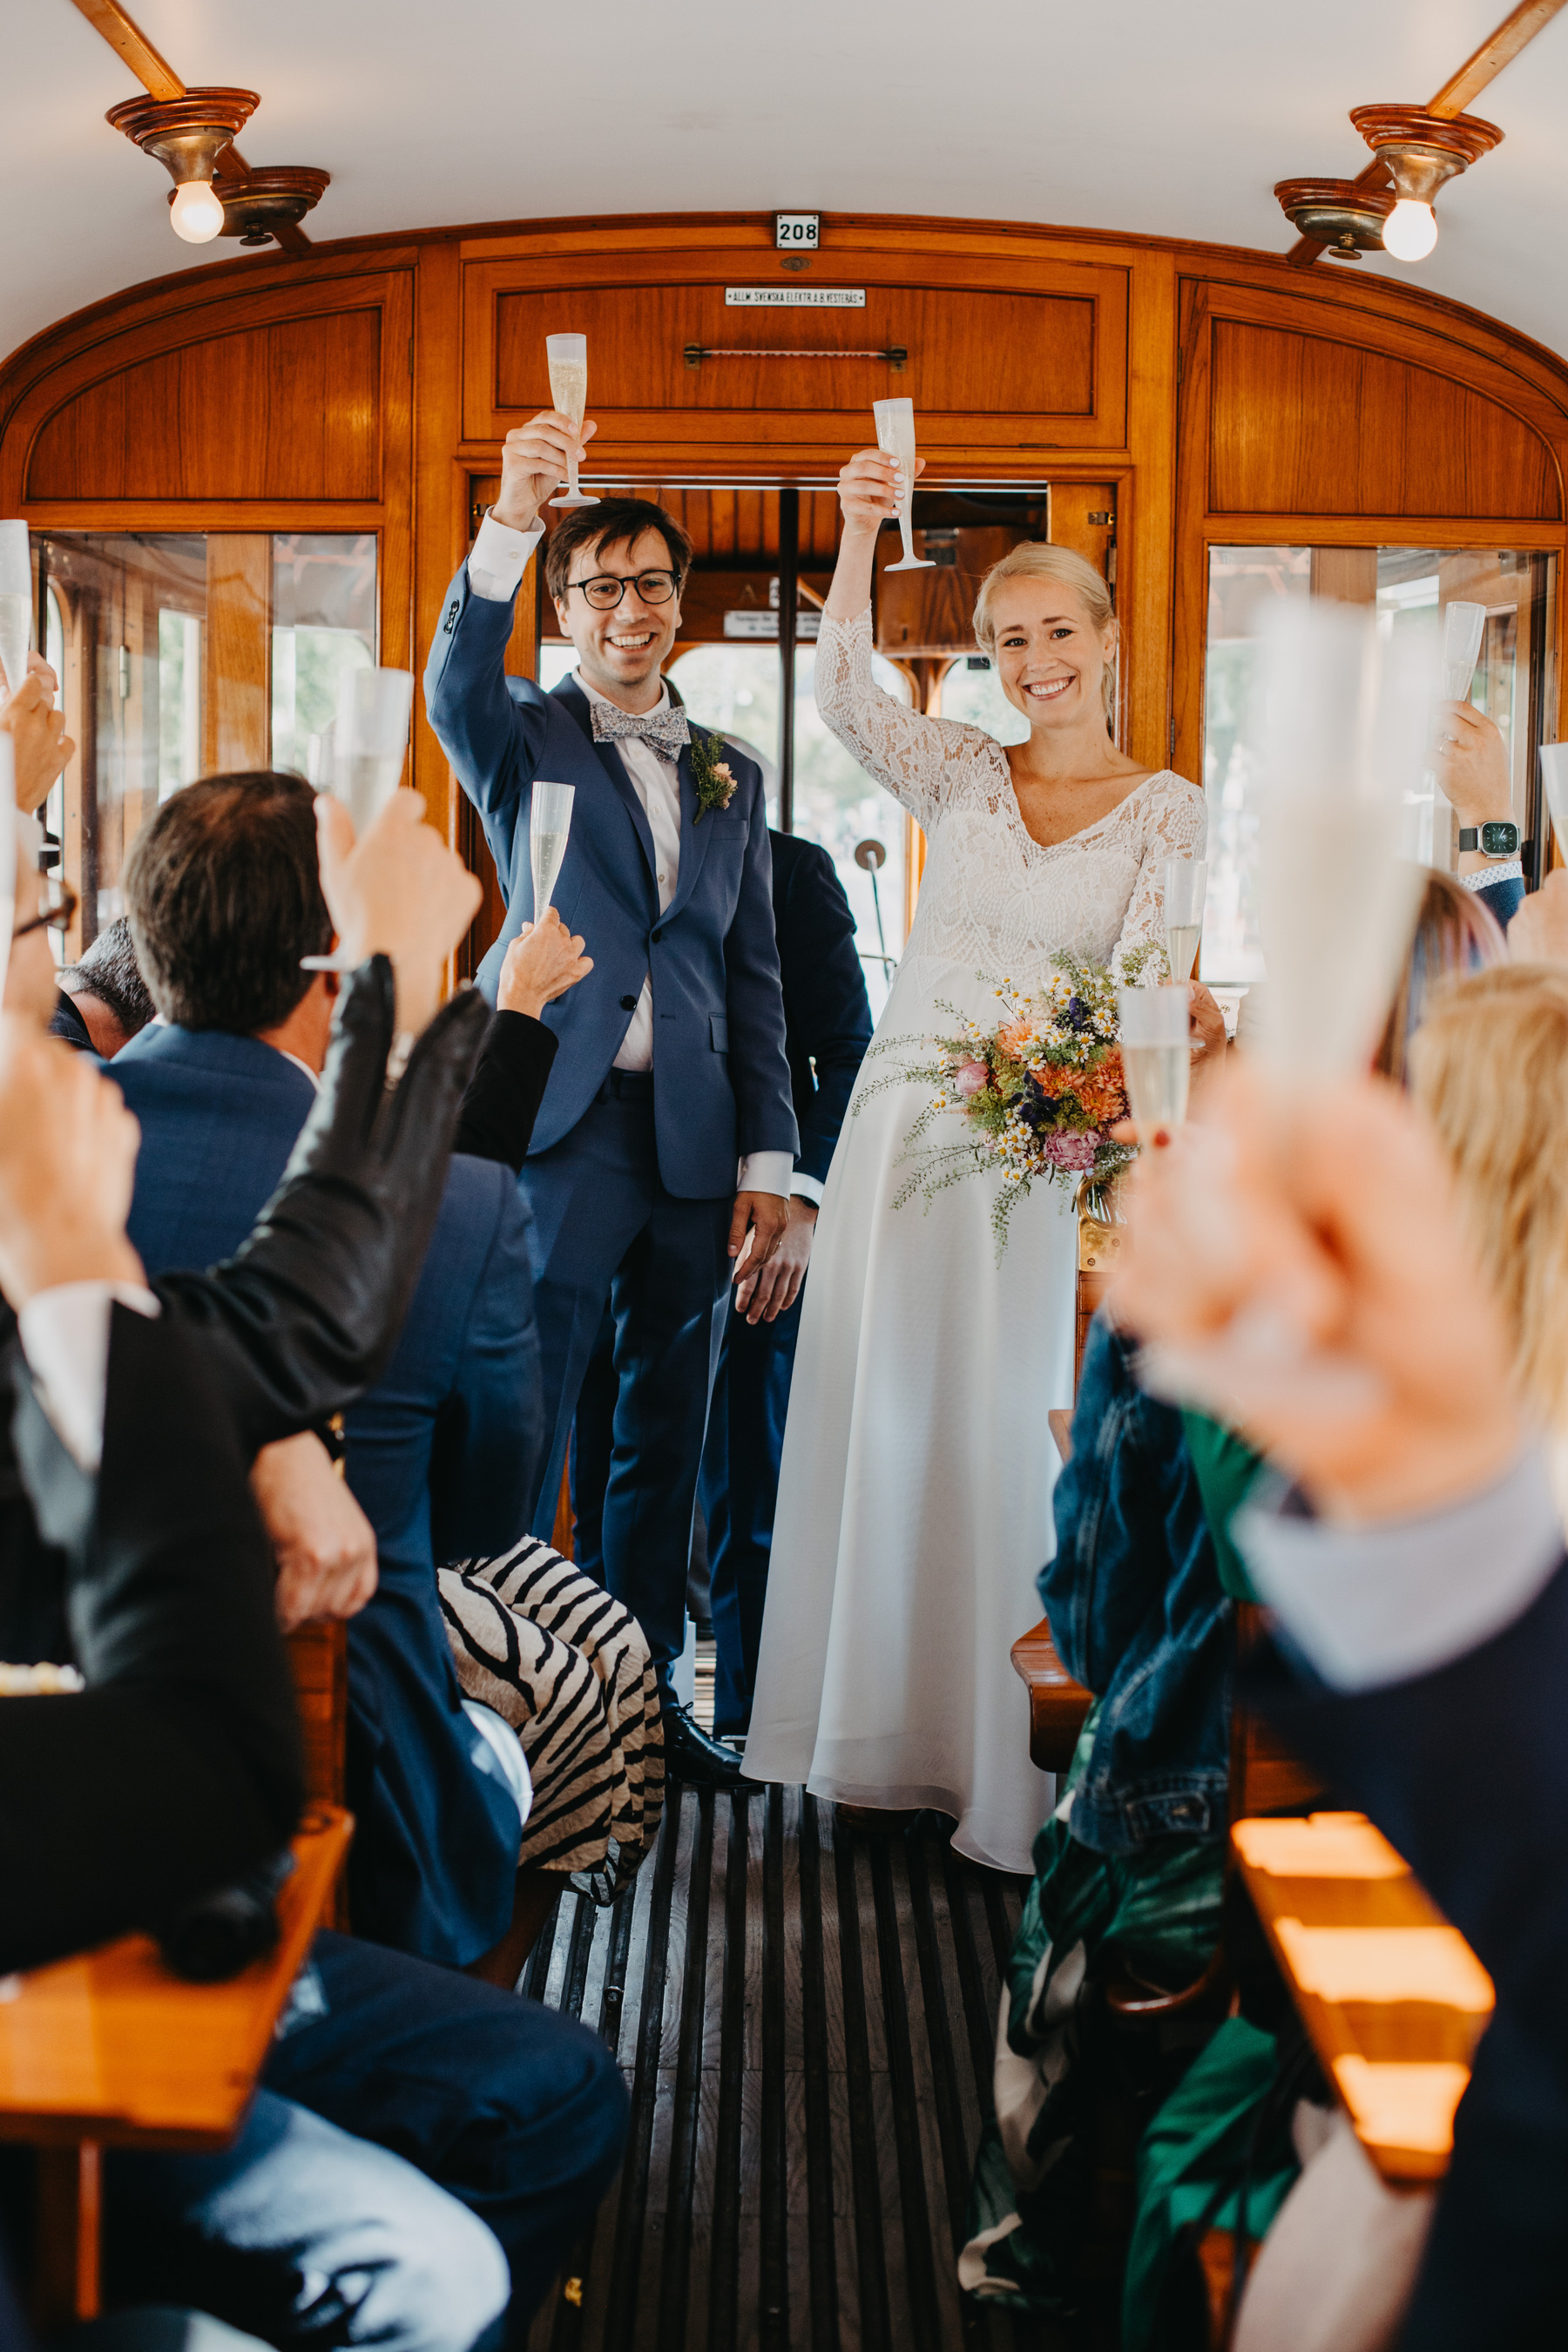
{"x":604,"y":1225}
{"x":740,"y":1493}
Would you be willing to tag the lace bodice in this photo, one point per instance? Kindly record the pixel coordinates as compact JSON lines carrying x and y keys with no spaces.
{"x":993,"y":900}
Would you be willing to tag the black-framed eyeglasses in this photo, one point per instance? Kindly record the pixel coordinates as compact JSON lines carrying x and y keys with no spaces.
{"x":604,"y":590}
{"x":58,"y":911}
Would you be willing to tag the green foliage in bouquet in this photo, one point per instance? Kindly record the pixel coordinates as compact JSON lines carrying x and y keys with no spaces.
{"x":1037,"y":1092}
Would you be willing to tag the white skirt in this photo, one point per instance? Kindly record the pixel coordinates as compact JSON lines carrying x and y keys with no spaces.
{"x":914,"y":1508}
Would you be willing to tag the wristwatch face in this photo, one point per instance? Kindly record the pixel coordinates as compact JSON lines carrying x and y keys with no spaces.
{"x":1499,"y":840}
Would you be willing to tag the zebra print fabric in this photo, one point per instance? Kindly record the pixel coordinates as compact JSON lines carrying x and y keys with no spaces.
{"x":569,"y":1669}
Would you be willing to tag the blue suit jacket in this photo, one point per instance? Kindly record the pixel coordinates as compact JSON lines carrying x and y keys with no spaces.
{"x":827,"y":1013}
{"x":442,"y":1455}
{"x":1465,"y":1770}
{"x":721,"y":1085}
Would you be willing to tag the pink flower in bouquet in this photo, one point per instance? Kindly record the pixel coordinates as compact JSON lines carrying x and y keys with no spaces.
{"x":970,"y":1077}
{"x":1072,"y":1151}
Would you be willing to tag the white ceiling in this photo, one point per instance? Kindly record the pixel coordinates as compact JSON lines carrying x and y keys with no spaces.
{"x":1130,"y":114}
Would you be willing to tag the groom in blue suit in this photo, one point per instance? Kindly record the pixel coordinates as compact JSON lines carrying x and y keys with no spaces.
{"x":666,"y":1141}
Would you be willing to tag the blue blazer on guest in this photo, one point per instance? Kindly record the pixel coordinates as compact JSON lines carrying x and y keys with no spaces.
{"x":721,"y":1085}
{"x":442,"y":1455}
{"x":827,"y":1014}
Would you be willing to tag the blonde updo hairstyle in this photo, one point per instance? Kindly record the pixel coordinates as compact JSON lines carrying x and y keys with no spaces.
{"x":1490,"y":1062}
{"x":1033,"y":559}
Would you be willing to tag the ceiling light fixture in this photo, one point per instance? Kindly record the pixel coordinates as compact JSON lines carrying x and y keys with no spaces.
{"x":187,"y":135}
{"x":1345,"y":218}
{"x":1420,"y":151}
{"x":274,"y":196}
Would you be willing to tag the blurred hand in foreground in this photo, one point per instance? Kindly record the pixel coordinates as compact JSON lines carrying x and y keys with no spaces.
{"x":1539,"y":932}
{"x":38,"y":740}
{"x":401,"y":893}
{"x":325,"y":1546}
{"x":542,"y":962}
{"x":68,"y":1163}
{"x":1299,"y":1268}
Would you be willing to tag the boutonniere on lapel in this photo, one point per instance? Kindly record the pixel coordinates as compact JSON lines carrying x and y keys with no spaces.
{"x":715,"y":786}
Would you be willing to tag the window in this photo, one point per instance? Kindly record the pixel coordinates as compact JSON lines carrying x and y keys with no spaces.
{"x":323,"y":625}
{"x":975,"y":695}
{"x":1409,"y":588}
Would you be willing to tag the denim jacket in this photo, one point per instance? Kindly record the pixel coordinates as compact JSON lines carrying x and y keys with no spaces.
{"x":1137,"y":1614}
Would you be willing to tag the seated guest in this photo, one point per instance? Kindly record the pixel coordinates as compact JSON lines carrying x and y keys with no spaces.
{"x":103,"y":1000}
{"x":1455,"y":931}
{"x":1417,"y":1570}
{"x":547,"y":1647}
{"x":398,"y":2094}
{"x":224,"y":900}
{"x":1490,"y":1064}
{"x":1128,"y":1869}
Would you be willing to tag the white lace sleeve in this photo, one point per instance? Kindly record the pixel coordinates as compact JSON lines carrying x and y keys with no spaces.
{"x":919,"y":760}
{"x":1174,"y":823}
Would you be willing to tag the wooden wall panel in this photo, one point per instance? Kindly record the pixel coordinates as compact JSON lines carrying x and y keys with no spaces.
{"x":290,"y":411}
{"x":1303,"y":424}
{"x":238,"y":651}
{"x":1031,"y":356}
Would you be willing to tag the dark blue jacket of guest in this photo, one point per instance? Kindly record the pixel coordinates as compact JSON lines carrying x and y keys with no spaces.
{"x":1137,"y":1614}
{"x":441,"y":1455}
{"x":1464,"y":1769}
{"x":827,"y":1014}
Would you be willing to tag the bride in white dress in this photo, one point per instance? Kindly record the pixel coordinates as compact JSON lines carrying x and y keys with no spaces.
{"x":914,"y":1508}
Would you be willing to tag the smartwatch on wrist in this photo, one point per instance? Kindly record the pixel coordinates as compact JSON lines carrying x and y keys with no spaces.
{"x":1491,"y":840}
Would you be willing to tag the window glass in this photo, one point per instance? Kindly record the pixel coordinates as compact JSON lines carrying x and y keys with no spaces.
{"x":837,"y":804}
{"x":1410,"y":589}
{"x":323,"y":624}
{"x":971,"y":690}
{"x":735,"y":689}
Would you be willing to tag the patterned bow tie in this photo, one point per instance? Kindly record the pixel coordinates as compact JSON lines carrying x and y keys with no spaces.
{"x":664,"y":731}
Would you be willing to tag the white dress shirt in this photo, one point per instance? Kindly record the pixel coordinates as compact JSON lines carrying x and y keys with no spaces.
{"x":1384,"y":1602}
{"x":496,"y":567}
{"x":64,"y":1337}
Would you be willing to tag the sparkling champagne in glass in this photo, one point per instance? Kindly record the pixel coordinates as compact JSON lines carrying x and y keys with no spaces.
{"x":1185,"y":884}
{"x":568,"y":357}
{"x":549,"y":822}
{"x":1157,"y":1059}
{"x":16,"y":603}
{"x":896,"y":439}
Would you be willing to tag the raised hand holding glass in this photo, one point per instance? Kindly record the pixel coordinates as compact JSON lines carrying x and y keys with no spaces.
{"x":896,"y":439}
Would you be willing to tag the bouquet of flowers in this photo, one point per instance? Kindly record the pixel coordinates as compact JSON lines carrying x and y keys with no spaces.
{"x":1037,"y":1093}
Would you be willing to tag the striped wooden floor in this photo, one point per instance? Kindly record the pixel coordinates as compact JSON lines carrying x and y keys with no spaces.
{"x":806,"y":2025}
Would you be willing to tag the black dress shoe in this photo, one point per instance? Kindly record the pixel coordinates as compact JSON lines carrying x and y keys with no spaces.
{"x":690,"y":1756}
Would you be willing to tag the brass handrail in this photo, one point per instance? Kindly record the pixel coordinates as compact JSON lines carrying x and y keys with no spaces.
{"x":896,"y":357}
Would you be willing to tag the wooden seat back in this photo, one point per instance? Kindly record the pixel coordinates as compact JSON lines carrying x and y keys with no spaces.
{"x":318,"y":1656}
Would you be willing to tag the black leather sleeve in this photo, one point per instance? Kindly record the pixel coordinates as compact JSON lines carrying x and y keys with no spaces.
{"x":306,"y":1314}
{"x":178,"y":1768}
{"x":496,"y":1122}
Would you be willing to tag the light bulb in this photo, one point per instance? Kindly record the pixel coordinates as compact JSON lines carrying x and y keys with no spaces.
{"x":197,"y":214}
{"x":1410,"y":231}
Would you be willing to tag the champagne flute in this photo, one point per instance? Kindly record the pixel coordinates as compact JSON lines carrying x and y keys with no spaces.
{"x":1185,"y":888}
{"x":1462,"y":627}
{"x":1156,"y":1060}
{"x":1554,"y":779}
{"x":549,"y":822}
{"x":369,"y":741}
{"x":568,"y":358}
{"x":896,"y":439}
{"x":16,"y":603}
